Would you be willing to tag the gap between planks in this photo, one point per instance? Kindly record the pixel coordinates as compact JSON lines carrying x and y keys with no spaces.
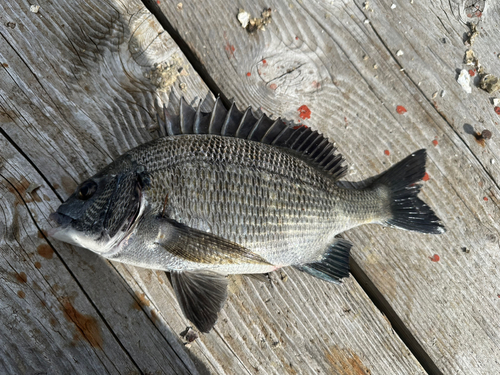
{"x":356,"y":271}
{"x":87,"y":296}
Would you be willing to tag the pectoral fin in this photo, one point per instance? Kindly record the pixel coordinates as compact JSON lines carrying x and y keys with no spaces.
{"x":201,"y":295}
{"x":203,"y":247}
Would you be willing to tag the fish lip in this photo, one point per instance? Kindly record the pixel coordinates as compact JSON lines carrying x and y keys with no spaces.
{"x":62,"y":221}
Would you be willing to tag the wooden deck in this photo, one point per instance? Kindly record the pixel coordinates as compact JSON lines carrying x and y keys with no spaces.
{"x":80,"y":83}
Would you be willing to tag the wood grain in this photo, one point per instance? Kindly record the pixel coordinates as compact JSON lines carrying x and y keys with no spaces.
{"x":80,"y":83}
{"x":74,"y":95}
{"x":342,"y":60}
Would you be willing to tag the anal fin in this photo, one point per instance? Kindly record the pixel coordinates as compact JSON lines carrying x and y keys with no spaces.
{"x":201,"y":295}
{"x":335,"y":263}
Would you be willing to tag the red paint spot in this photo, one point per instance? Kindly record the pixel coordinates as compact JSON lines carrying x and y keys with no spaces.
{"x":435,"y":258}
{"x":435,"y":142}
{"x":229,"y":49}
{"x":497,"y":110}
{"x":316,"y":84}
{"x":264,"y":61}
{"x":485,"y":199}
{"x":296,"y":38}
{"x":158,"y":2}
{"x":426,"y":177}
{"x":387,"y":152}
{"x":249,"y":74}
{"x":498,"y":295}
{"x":305,"y":112}
{"x":400,"y":109}
{"x":472,"y":73}
{"x":273,"y":86}
{"x":299,"y":126}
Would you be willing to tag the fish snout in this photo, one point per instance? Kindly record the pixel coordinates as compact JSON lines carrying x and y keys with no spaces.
{"x":61,"y":219}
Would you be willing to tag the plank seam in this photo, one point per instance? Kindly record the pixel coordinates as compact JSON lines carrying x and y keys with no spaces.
{"x":40,"y":231}
{"x":366,"y":284}
{"x":396,"y":322}
{"x":27,"y":158}
{"x":443,"y":117}
{"x":32,"y":73}
{"x":149,"y":317}
{"x":186,"y":50}
{"x":62,"y":260}
{"x":232,"y":351}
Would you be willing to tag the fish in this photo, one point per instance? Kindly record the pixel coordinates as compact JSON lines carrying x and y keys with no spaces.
{"x":229,"y":192}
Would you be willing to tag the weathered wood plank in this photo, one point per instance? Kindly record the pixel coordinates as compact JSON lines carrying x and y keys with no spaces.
{"x":52,"y":326}
{"x":73,"y":313}
{"x":76,"y":90}
{"x":296,"y":325}
{"x":341,"y":60}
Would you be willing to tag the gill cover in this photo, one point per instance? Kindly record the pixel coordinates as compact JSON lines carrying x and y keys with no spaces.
{"x":101,"y":210}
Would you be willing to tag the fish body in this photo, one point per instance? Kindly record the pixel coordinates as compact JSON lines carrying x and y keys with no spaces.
{"x":250,"y":193}
{"x":227,"y":193}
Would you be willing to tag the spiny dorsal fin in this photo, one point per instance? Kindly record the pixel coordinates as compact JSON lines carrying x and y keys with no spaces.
{"x":308,"y":144}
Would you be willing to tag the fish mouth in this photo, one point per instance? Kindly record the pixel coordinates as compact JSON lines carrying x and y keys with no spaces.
{"x":60,"y":219}
{"x":62,"y":222}
{"x":65,"y":232}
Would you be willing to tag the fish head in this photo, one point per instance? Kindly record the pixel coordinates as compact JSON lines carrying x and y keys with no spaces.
{"x":101,"y":211}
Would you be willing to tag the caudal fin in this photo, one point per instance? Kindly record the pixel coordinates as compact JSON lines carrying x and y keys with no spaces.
{"x":408,"y":211}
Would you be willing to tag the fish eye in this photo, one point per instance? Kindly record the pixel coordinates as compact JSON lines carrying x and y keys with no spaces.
{"x":87,"y":190}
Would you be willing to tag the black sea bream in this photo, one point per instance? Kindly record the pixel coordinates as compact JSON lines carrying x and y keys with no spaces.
{"x":227,"y":193}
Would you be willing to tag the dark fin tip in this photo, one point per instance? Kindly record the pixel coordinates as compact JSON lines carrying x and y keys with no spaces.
{"x":335,"y":263}
{"x":201,"y":296}
{"x":408,"y":211}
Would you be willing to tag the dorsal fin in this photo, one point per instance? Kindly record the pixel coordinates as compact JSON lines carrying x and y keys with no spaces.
{"x":306,"y":143}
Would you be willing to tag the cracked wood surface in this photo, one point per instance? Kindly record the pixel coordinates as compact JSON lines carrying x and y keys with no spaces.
{"x":67,"y":107}
{"x":352,"y":64}
{"x":80,"y":83}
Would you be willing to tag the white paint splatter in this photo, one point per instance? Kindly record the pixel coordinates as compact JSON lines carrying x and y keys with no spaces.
{"x":244,"y":18}
{"x":464,"y":81}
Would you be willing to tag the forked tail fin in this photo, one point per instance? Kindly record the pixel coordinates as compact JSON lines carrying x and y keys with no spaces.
{"x":408,"y":211}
